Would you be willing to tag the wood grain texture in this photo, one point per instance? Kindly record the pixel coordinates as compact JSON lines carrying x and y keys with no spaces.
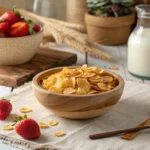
{"x":76,"y":106}
{"x":15,"y":76}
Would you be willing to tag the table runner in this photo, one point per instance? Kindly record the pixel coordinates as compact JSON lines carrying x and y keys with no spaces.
{"x":132,"y":109}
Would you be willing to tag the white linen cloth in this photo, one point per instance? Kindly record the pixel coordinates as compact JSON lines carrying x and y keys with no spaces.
{"x":131,"y":110}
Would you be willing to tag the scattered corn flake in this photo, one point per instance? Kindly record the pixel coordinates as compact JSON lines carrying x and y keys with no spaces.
{"x":8,"y":127}
{"x":114,"y":68}
{"x":53,"y":123}
{"x":59,"y":134}
{"x":25,"y":109}
{"x":43,"y":125}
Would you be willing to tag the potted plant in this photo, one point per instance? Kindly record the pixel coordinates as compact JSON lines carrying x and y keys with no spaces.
{"x":109,"y":21}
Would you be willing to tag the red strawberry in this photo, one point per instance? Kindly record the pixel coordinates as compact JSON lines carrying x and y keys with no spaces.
{"x":27,"y":128}
{"x":19,"y":29}
{"x":10,"y":17}
{"x":5,"y":108}
{"x":36,"y":28}
{"x":4,"y":27}
{"x":2,"y":35}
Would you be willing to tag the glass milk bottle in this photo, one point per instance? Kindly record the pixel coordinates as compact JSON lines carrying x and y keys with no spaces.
{"x":139,"y":44}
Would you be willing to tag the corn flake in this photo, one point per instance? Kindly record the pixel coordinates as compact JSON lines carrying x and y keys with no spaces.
{"x":53,"y":123}
{"x":83,"y":84}
{"x":25,"y":109}
{"x":8,"y":127}
{"x":102,"y":86}
{"x":80,"y":81}
{"x":59,"y":134}
{"x":69,"y":91}
{"x":43,"y":125}
{"x":114,"y":68}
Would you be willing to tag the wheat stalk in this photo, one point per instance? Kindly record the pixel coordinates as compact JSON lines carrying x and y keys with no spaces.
{"x":69,"y":36}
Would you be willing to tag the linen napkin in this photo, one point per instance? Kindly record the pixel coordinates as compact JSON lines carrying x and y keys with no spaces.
{"x":132,"y":109}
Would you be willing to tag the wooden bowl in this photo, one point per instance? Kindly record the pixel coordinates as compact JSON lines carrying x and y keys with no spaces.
{"x":76,"y":106}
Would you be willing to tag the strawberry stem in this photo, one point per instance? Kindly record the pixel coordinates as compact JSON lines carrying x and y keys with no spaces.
{"x":13,"y":8}
{"x":31,"y":26}
{"x":19,"y":119}
{"x":3,"y":98}
{"x":18,"y":13}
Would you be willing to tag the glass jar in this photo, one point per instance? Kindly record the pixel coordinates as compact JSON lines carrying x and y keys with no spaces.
{"x":139,"y":44}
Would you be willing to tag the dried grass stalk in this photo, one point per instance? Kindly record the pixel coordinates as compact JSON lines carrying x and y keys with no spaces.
{"x":94,"y":52}
{"x":70,"y":37}
{"x":77,"y":27}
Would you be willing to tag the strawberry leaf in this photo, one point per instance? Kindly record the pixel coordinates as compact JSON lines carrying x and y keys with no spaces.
{"x":25,"y":116}
{"x":31,"y":26}
{"x":1,"y":21}
{"x":19,"y":119}
{"x":3,"y":98}
{"x":18,"y":13}
{"x":13,"y":8}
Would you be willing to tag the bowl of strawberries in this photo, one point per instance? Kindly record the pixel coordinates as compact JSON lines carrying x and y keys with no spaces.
{"x":19,"y":38}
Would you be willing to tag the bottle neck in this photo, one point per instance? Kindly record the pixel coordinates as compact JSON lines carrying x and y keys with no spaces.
{"x":144,"y":22}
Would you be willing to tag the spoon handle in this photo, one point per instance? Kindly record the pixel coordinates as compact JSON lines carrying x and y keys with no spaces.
{"x":113,"y":133}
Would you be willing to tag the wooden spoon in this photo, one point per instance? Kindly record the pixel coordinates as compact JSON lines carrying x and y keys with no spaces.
{"x":132,"y":135}
{"x":113,"y":133}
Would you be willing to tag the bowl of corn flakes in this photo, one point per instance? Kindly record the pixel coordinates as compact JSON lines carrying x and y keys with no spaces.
{"x":78,"y":92}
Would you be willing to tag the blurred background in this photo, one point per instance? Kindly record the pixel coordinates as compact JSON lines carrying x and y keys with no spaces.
{"x":51,"y":8}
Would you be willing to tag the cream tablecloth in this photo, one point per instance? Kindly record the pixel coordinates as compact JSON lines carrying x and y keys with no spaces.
{"x":132,"y":109}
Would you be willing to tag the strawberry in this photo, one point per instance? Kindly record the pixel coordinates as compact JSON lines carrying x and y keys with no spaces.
{"x":36,"y":28}
{"x":5,"y":108}
{"x":19,"y":29}
{"x":10,"y":17}
{"x":4,"y":27}
{"x":2,"y":35}
{"x":27,"y":128}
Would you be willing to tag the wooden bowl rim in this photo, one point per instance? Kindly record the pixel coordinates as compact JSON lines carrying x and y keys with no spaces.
{"x":36,"y":85}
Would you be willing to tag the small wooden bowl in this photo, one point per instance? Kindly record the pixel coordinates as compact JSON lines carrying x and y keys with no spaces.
{"x":76,"y":106}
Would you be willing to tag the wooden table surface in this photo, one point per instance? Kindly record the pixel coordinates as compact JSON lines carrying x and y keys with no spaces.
{"x":119,"y":54}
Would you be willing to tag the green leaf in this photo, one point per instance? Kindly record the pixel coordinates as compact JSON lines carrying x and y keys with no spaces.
{"x":1,"y":21}
{"x":31,"y":26}
{"x":19,"y":119}
{"x":18,"y":13}
{"x":13,"y":8}
{"x":25,"y":116}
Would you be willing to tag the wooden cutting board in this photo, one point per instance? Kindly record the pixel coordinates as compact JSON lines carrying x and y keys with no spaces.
{"x":14,"y":76}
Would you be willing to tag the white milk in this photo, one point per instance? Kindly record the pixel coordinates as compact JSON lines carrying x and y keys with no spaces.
{"x":139,"y":52}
